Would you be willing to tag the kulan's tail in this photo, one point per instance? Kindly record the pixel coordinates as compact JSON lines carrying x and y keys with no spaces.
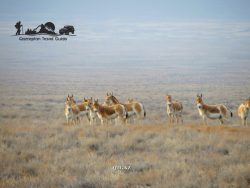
{"x":230,"y":112}
{"x":144,"y":115}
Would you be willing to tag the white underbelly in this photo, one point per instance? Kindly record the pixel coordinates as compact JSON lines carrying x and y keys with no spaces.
{"x":83,"y":113}
{"x":131,"y":113}
{"x":214,"y":115}
{"x":113,"y":116}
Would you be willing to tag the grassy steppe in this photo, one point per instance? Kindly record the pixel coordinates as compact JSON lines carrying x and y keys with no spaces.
{"x":53,"y":154}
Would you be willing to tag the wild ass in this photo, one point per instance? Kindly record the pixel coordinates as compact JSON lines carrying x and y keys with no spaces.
{"x":83,"y":107}
{"x":92,"y":114}
{"x":243,"y":111}
{"x":174,"y":109}
{"x":106,"y":113}
{"x":132,"y":107}
{"x":217,"y":111}
{"x":71,"y":111}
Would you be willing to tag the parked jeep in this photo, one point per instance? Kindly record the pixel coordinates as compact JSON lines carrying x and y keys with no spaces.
{"x":67,"y":29}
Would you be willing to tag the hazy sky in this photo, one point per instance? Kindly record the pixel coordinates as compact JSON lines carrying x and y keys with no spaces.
{"x":184,"y":36}
{"x":132,"y":32}
{"x":125,"y":10}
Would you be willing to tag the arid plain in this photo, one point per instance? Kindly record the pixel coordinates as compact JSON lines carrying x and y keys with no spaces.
{"x":38,"y":149}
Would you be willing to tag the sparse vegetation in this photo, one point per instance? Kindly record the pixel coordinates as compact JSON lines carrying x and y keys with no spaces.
{"x":37,"y":148}
{"x":56,"y":155}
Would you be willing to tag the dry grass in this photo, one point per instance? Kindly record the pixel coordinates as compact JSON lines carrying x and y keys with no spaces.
{"x":37,"y":149}
{"x":52,"y":154}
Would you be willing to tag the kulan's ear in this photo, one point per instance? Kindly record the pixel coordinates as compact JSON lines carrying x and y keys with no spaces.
{"x":68,"y":95}
{"x":201,"y":95}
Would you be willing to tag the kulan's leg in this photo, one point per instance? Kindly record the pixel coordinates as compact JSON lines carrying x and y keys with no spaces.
{"x":88,"y":117}
{"x":117,"y":120}
{"x":221,"y":121}
{"x":242,"y":121}
{"x":172,"y":118}
{"x":77,"y":119}
{"x":176,"y":118}
{"x":102,"y":122}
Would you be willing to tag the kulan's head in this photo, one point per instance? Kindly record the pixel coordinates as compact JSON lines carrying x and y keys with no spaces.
{"x":70,"y":99}
{"x":95,"y":105}
{"x":88,"y":102}
{"x":199,"y":101}
{"x":130,"y":100}
{"x":168,"y":98}
{"x":247,"y":103}
{"x":109,"y":98}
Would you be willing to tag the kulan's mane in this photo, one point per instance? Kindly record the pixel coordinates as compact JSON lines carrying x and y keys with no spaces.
{"x":115,"y":100}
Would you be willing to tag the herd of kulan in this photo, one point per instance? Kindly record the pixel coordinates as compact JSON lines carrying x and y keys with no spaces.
{"x":112,"y":110}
